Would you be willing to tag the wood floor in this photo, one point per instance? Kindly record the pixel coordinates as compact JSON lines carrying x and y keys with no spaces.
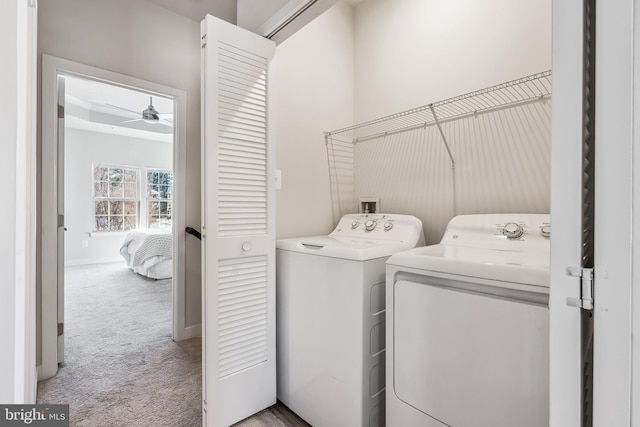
{"x":285,"y":415}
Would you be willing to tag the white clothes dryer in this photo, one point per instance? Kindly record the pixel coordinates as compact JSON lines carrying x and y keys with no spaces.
{"x":468,"y":326}
{"x":330,"y":296}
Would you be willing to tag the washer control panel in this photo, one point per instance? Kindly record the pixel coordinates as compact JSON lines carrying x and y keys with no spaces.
{"x":378,"y":226}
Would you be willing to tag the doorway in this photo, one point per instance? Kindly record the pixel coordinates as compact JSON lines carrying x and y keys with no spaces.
{"x":106,"y":219}
{"x":117,"y":147}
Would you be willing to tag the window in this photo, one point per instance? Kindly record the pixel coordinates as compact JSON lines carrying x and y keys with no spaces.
{"x":159,"y":198}
{"x":115,"y":198}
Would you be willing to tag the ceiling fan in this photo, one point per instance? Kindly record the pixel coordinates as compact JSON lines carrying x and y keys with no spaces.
{"x":149,"y":115}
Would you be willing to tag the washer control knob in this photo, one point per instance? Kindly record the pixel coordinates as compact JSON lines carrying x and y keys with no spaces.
{"x":388,"y":226}
{"x":512,"y":230}
{"x":354,"y":225}
{"x":545,"y":230}
{"x":370,"y":224}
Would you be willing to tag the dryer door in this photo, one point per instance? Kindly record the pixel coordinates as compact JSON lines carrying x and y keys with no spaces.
{"x":467,"y":358}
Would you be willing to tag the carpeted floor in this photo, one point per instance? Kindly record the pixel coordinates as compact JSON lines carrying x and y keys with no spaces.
{"x":121,"y":366}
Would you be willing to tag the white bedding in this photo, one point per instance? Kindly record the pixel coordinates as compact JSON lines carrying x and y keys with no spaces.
{"x":149,"y":252}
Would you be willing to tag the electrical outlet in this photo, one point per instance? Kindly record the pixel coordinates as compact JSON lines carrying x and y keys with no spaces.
{"x":85,"y":243}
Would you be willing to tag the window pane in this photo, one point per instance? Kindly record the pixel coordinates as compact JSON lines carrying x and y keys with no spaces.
{"x":102,"y":208}
{"x":100,"y":173}
{"x":100,"y":189}
{"x":116,"y":223}
{"x":102,"y":223}
{"x":130,"y":190}
{"x":152,"y":191}
{"x":115,"y":208}
{"x":130,"y":175}
{"x":115,"y":174}
{"x":130,"y":222}
{"x":130,"y":208}
{"x":116,"y":189}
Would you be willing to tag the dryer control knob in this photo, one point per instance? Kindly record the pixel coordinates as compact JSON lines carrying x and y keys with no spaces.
{"x":354,"y":225}
{"x":545,"y":230}
{"x":388,"y":226}
{"x":512,"y":230}
{"x":370,"y":225}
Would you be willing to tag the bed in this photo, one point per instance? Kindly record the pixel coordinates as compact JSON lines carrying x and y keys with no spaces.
{"x":149,"y":252}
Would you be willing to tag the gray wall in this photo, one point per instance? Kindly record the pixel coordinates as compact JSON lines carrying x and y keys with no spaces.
{"x":83,"y":149}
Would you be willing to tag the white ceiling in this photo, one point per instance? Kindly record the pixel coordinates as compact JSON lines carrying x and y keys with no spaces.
{"x":226,"y":9}
{"x":103,"y":107}
{"x":197,"y":9}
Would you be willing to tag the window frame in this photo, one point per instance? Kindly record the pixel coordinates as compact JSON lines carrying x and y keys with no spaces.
{"x":109,"y":198}
{"x":149,"y":199}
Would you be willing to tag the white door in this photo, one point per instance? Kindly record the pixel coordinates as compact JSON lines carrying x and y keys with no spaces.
{"x":238,"y":213}
{"x":568,"y":324}
{"x":616,"y":226}
{"x":61,"y":226}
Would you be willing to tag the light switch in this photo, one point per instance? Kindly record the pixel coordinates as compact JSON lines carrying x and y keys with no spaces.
{"x":278,"y":179}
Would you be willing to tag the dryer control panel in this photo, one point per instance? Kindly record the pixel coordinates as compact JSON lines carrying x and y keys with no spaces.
{"x":499,"y":231}
{"x":379,"y":226}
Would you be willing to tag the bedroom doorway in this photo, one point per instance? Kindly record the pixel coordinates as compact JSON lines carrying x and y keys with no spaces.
{"x":118,"y":210}
{"x":113,"y":164}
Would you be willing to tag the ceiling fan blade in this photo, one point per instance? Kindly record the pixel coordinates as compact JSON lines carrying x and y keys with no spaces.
{"x":166,"y":122}
{"x":124,"y":109}
{"x":129,"y":121}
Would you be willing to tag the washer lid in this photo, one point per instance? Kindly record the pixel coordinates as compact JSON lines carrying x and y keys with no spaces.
{"x":351,"y":248}
{"x":526,"y":267}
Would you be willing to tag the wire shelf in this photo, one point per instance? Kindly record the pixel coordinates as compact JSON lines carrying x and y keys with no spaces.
{"x":527,"y":89}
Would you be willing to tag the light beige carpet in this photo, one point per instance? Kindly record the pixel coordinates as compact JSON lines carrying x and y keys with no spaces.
{"x":121,"y":366}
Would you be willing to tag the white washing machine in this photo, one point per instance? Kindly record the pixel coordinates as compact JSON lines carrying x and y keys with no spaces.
{"x":330,"y":296}
{"x":468,"y":326}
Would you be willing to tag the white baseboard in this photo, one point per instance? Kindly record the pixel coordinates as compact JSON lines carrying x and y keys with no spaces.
{"x":188,"y":332}
{"x":74,"y":262}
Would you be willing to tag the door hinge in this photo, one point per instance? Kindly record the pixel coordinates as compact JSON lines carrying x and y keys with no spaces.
{"x":585,"y":301}
{"x":60,"y":329}
{"x":60,"y":111}
{"x":204,"y":41}
{"x":60,"y":220}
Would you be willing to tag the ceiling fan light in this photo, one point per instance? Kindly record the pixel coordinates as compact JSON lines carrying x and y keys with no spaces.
{"x":150,"y":116}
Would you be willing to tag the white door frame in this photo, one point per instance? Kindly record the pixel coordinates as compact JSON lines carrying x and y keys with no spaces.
{"x":616,"y":218}
{"x":566,"y":211}
{"x":52,"y":67}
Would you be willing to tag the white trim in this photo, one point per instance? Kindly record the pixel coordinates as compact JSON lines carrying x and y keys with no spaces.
{"x":51,"y":68}
{"x":90,"y":261}
{"x":566,"y":210}
{"x":25,"y":376}
{"x":614,"y":232}
{"x":192,"y":332}
{"x":635,"y":218}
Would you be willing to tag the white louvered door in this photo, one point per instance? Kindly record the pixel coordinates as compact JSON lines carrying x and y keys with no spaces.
{"x":238,"y":213}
